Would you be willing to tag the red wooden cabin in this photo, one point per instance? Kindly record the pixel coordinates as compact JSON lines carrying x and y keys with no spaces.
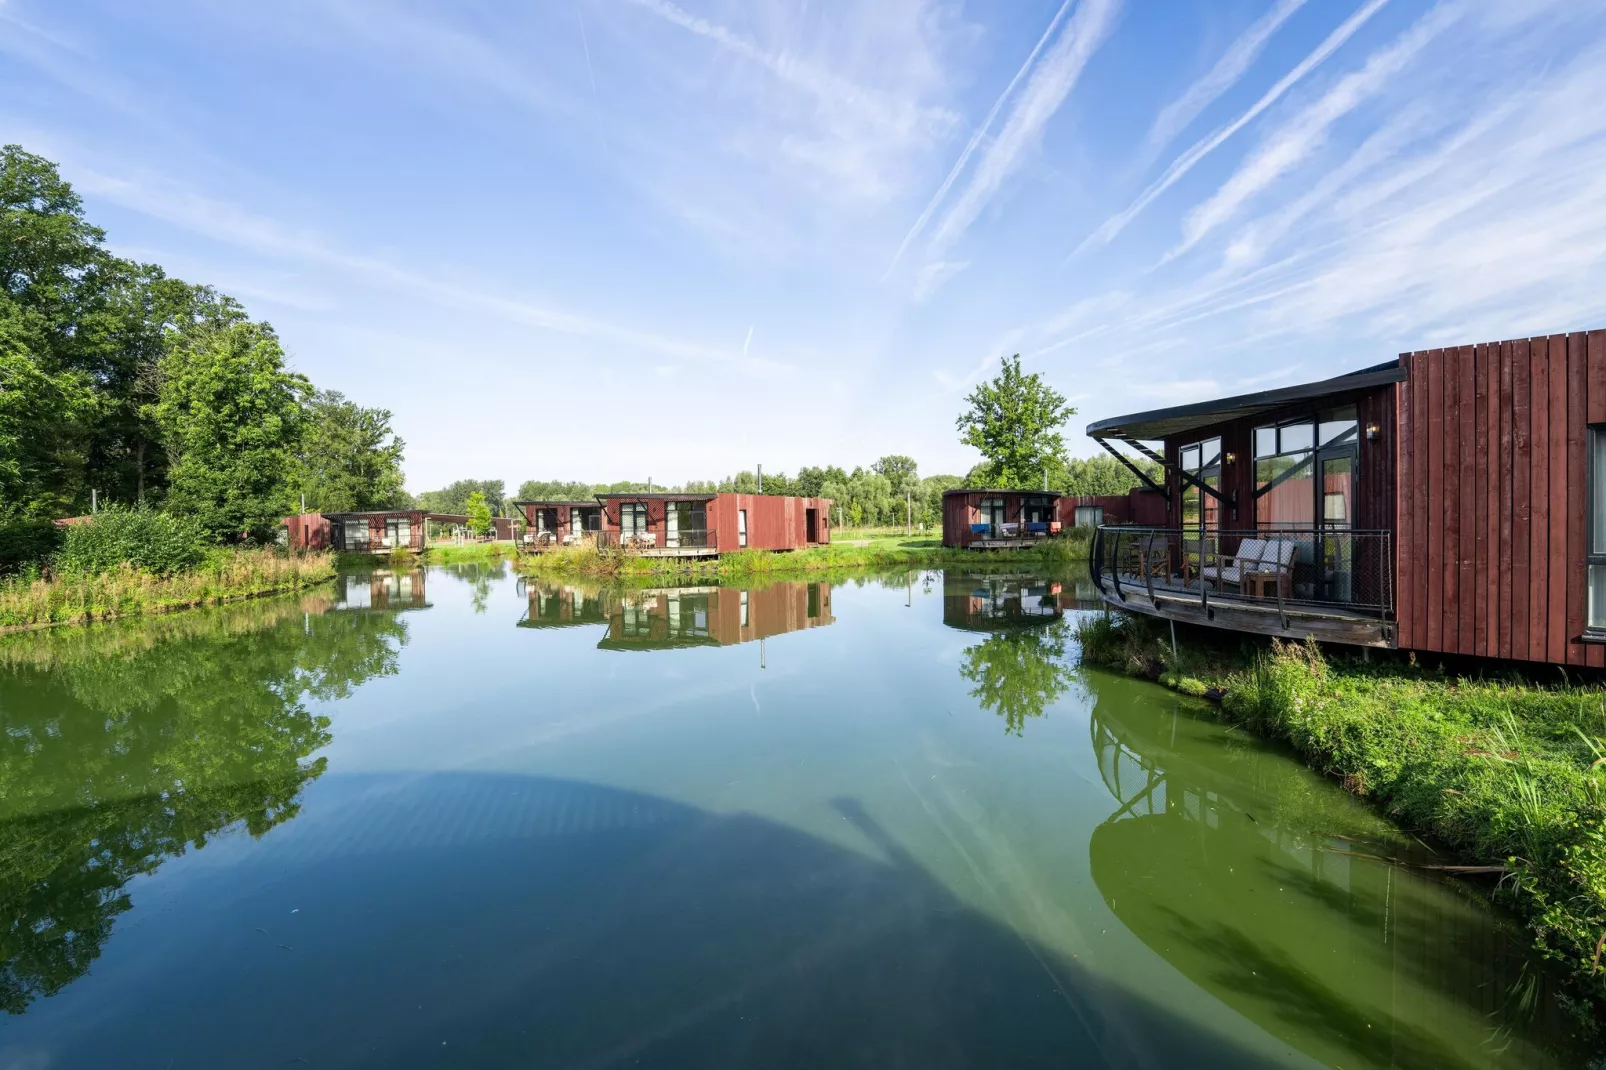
{"x":705,"y":524}
{"x":996,"y":519}
{"x":559,"y":522}
{"x":1451,"y":501}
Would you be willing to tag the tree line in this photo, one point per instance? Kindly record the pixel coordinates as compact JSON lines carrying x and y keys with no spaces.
{"x":122,"y":384}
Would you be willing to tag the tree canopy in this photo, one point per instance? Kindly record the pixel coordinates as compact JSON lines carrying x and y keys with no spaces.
{"x":120,"y":381}
{"x":1014,"y":421}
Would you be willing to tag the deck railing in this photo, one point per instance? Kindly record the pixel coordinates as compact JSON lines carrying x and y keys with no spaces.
{"x":1014,"y":530}
{"x":1286,"y":567}
{"x":654,"y":539}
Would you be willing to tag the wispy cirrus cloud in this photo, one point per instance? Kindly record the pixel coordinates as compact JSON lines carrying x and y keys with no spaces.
{"x":233,"y":225}
{"x":1292,"y":142}
{"x":1226,"y":73}
{"x":1179,"y":167}
{"x":976,"y":137}
{"x":1049,"y":84}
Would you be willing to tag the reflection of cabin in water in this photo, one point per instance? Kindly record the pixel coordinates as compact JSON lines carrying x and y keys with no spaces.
{"x":665,"y":619}
{"x":1204,"y":859}
{"x":995,"y":603}
{"x":563,"y":607}
{"x":389,"y":590}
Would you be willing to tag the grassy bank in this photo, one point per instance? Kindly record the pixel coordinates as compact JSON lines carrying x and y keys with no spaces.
{"x":870,"y":553}
{"x":224,"y":576}
{"x":1504,"y":771}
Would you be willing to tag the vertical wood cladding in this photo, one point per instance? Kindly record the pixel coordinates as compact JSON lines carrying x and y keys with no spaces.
{"x":1492,"y":497}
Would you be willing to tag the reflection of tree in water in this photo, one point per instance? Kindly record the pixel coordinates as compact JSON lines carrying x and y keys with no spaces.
{"x":479,"y":578}
{"x":1018,"y":673}
{"x":127,"y":745}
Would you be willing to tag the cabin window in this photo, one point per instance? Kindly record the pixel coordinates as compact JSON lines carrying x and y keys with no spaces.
{"x":632,"y":519}
{"x":1285,"y":485}
{"x":1596,"y":621}
{"x":1089,"y":516}
{"x":741,"y":527}
{"x":1201,"y":511}
{"x":992,"y":512}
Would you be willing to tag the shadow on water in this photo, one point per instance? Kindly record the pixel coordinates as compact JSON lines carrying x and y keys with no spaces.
{"x":525,"y":921}
{"x":1269,"y":887}
{"x":127,"y":744}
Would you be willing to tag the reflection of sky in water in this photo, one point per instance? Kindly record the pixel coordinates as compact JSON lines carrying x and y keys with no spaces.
{"x":1127,"y":852}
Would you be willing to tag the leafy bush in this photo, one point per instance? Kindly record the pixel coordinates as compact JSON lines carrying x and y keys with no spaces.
{"x":26,"y":544}
{"x":142,"y":538}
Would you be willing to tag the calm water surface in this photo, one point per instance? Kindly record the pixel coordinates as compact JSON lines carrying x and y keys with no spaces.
{"x":445,"y":818}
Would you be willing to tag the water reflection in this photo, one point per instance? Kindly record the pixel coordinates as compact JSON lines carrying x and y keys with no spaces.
{"x":1264,"y":885}
{"x":991,"y":603}
{"x":127,"y":744}
{"x":669,"y":618}
{"x":386,"y":590}
{"x":1021,"y":669}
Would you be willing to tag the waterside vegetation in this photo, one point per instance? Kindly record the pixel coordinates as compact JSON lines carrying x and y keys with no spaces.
{"x":871,"y":553}
{"x":227,"y":574}
{"x":1504,"y":773}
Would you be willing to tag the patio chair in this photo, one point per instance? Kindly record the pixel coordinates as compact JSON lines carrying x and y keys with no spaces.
{"x":1257,"y":563}
{"x":1149,"y":555}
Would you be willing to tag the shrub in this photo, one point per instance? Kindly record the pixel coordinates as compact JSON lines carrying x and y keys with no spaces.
{"x":26,"y":544}
{"x":142,"y":538}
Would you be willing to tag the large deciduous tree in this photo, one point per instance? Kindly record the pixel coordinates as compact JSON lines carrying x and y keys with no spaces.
{"x":231,"y":416}
{"x":350,"y":457}
{"x":1014,"y":421}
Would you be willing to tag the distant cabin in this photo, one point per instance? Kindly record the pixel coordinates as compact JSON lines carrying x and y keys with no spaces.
{"x":1451,"y":501}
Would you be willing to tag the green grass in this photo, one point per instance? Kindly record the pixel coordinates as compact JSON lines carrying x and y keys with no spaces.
{"x":225,"y":576}
{"x":881,"y":551}
{"x":1504,"y":770}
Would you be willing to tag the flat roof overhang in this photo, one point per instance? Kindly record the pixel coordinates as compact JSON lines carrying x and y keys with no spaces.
{"x":661,"y":496}
{"x":1164,"y":423}
{"x":584,"y":502}
{"x":1004,"y":490}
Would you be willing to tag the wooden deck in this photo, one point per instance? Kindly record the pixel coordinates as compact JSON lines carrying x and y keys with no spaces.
{"x":1328,"y":624}
{"x":1012,"y":543}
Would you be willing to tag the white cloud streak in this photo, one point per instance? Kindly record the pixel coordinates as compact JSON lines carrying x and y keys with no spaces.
{"x":1228,"y":70}
{"x":1049,"y":85}
{"x":227,"y":223}
{"x":976,"y":139}
{"x":1113,"y":226}
{"x":1291,"y":143}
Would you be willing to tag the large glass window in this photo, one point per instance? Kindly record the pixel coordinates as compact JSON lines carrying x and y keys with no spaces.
{"x":1285,"y":483}
{"x":1200,"y":509}
{"x":632,"y":519}
{"x":1089,"y":516}
{"x":1597,"y":529}
{"x":992,"y":513}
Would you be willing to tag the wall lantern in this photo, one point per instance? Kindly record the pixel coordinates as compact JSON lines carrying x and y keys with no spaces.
{"x":1372,"y":431}
{"x":1231,"y":457}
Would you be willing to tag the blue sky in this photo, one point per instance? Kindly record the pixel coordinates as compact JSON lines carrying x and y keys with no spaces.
{"x":608,"y":239}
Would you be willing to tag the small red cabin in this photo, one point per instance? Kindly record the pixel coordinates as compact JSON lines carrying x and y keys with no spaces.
{"x":998,"y":519}
{"x":559,"y":522}
{"x":384,"y":531}
{"x":705,"y":524}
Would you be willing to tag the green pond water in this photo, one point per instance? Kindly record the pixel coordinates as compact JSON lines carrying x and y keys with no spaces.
{"x":446,"y":818}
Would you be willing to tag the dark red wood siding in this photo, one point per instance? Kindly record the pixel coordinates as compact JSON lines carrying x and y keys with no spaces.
{"x":774,"y":522}
{"x":1492,"y":497}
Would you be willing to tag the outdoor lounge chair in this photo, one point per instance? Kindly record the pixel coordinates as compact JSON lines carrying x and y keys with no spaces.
{"x":1257,"y":563}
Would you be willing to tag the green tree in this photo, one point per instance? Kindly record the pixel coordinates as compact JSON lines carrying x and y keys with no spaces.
{"x":1103,"y":474}
{"x":479,"y":514}
{"x":454,"y":499}
{"x":900,"y":471}
{"x":539,"y":490}
{"x":350,"y":458}
{"x":1014,"y":421}
{"x":231,"y":418}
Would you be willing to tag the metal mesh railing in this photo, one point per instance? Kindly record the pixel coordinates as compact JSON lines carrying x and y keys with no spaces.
{"x":654,"y":539}
{"x":1342,"y":568}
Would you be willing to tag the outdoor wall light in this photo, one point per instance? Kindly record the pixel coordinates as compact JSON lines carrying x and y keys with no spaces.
{"x":1372,"y":431}
{"x":1231,"y":457}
